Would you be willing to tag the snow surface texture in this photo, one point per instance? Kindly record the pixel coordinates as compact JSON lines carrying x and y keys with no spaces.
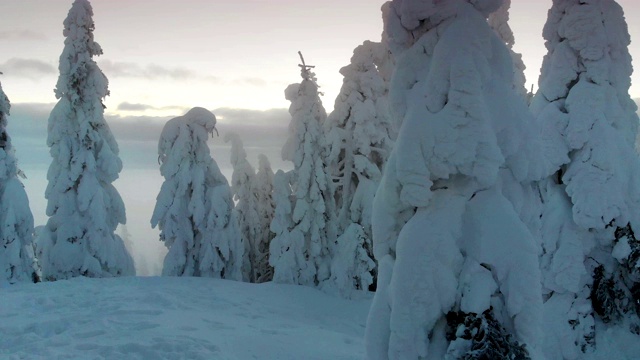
{"x":158,"y":318}
{"x":304,"y":226}
{"x":194,"y":209}
{"x":584,"y":105}
{"x":467,"y":143}
{"x":359,"y":138}
{"x":178,"y":318}
{"x":17,"y":258}
{"x":84,"y":208}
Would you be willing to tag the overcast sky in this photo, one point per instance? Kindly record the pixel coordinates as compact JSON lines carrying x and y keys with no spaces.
{"x":232,"y":56}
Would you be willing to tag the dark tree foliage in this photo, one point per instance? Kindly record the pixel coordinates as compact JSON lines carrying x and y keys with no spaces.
{"x":605,"y":295}
{"x":616,"y":293}
{"x":489,"y":339}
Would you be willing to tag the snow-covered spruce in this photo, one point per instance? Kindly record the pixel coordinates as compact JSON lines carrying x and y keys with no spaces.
{"x":352,"y":266}
{"x":305,"y":230}
{"x":481,"y":336}
{"x":246,"y":205}
{"x":84,"y":208}
{"x":447,"y":225}
{"x":263,"y":190}
{"x":359,"y":136}
{"x":499,"y":22}
{"x":592,"y":204}
{"x":194,"y":209}
{"x":17,"y":258}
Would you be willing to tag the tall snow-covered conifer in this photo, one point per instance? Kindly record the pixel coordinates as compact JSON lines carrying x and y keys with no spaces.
{"x":263,"y":189}
{"x":17,"y":259}
{"x":359,"y":135}
{"x":301,"y":253}
{"x":194,"y":209}
{"x":458,"y":273}
{"x":246,"y":206}
{"x":592,"y":206}
{"x":84,"y":208}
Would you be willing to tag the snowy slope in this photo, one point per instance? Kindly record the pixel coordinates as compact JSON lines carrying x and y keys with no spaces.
{"x":177,"y":318}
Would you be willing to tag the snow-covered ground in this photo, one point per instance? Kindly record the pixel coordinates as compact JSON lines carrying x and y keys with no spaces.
{"x":177,"y":318}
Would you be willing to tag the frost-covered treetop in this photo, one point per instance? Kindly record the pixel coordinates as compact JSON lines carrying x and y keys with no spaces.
{"x":589,"y":37}
{"x":363,"y":86}
{"x":76,"y":63}
{"x":8,"y":166}
{"x":429,"y":13}
{"x":200,"y":120}
{"x":456,"y":127}
{"x":238,"y":154}
{"x":584,"y":96}
{"x":499,"y":21}
{"x":309,"y":115}
{"x":5,"y":107}
{"x":202,"y":117}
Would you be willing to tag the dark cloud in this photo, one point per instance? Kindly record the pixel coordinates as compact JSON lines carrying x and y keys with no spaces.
{"x":261,"y":118}
{"x":150,"y":71}
{"x":125,"y":106}
{"x":153,"y":71}
{"x":28,"y":68}
{"x":29,"y":119}
{"x":255,"y":127}
{"x":261,"y":132}
{"x":22,"y":35}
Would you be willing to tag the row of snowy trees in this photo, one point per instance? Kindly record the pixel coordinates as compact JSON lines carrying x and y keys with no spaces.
{"x":323,"y":206}
{"x":495,"y":211}
{"x":309,"y":226}
{"x":206,"y":232}
{"x":494,"y":220}
{"x":319,"y":219}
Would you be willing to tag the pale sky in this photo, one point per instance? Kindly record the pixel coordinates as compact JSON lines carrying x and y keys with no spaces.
{"x":235,"y":57}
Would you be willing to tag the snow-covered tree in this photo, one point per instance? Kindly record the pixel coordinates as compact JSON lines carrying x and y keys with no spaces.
{"x":125,"y":235}
{"x":359,"y":136}
{"x":263,"y":189}
{"x":246,"y":204}
{"x":301,"y":252}
{"x":458,"y":271}
{"x":591,"y":255}
{"x":499,"y":22}
{"x":17,"y":258}
{"x":84,"y":208}
{"x":352,"y":265}
{"x":194,"y":209}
